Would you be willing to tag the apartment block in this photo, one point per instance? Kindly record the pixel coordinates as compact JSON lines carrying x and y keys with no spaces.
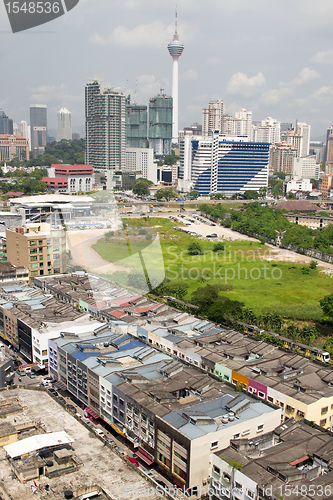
{"x":38,"y":247}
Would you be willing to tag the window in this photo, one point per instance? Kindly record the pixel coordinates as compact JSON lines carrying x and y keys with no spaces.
{"x":300,"y":413}
{"x":323,"y":422}
{"x":121,"y":413}
{"x":115,"y":397}
{"x":214,"y":444}
{"x":324,"y":410}
{"x":247,"y":431}
{"x":290,"y":408}
{"x":121,"y":401}
{"x":239,"y":486}
{"x":236,"y":436}
{"x":260,"y":428}
{"x":250,"y":493}
{"x":216,"y":470}
{"x":115,"y":409}
{"x":102,"y":388}
{"x":270,"y":399}
{"x":261,"y":394}
{"x":226,"y":477}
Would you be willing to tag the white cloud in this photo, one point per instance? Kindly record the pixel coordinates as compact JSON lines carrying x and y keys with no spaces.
{"x":147,"y":85}
{"x":53,"y":94}
{"x":324,"y":56}
{"x":155,"y":34}
{"x":190,"y":75}
{"x":241,"y":84}
{"x":306,"y":75}
{"x":274,"y":96}
{"x":213,"y":61}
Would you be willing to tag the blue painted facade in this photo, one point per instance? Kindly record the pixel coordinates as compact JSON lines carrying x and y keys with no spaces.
{"x":240,"y":166}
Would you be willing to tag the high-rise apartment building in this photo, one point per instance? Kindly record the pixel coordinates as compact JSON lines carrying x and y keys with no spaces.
{"x":268,"y":131}
{"x":328,"y":133}
{"x":212,"y":117}
{"x":282,"y":156}
{"x":38,"y":128}
{"x":23,"y":129}
{"x":304,"y":131}
{"x":295,"y":140}
{"x":64,"y":124}
{"x":136,"y":125}
{"x":160,"y":124}
{"x":105,"y":128}
{"x":243,"y":123}
{"x":6,"y":124}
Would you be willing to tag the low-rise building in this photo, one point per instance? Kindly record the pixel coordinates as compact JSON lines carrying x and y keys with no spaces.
{"x":13,"y":146}
{"x":174,"y":414}
{"x":274,"y":465}
{"x":39,"y":247}
{"x":79,"y":177}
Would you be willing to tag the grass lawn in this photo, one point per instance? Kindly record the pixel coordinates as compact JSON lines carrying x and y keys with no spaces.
{"x":261,"y":285}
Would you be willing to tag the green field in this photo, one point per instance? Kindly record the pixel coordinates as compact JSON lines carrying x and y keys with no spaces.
{"x":263,"y":286}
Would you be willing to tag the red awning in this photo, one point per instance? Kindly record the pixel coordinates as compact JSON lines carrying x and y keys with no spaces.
{"x":143,"y":457}
{"x":299,"y":460}
{"x":91,"y":412}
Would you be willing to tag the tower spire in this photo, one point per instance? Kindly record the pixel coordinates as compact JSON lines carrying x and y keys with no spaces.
{"x":176,"y":23}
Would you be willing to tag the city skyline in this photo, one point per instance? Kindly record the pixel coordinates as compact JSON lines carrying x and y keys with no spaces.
{"x":262,"y":57}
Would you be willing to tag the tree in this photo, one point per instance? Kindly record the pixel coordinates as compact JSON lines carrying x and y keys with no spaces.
{"x":194,"y":194}
{"x":194,"y":248}
{"x":141,"y":187}
{"x":291,"y":196}
{"x":250,"y":194}
{"x":327,"y":305}
{"x":218,"y":247}
{"x":315,"y":183}
{"x":262,"y":192}
{"x":165,"y":193}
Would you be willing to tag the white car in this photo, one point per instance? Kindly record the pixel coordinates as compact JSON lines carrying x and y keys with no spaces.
{"x":99,"y":432}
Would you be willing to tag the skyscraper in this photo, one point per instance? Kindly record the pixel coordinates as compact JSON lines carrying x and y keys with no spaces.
{"x":136,"y":125}
{"x":6,"y":124}
{"x":38,"y":127}
{"x":105,"y":128}
{"x":175,"y":49}
{"x":64,"y":124}
{"x":212,"y":117}
{"x":304,"y":130}
{"x":160,"y":124}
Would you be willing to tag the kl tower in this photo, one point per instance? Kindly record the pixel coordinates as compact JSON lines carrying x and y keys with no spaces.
{"x":175,"y":49}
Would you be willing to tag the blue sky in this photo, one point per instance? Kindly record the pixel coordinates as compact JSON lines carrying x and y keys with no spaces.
{"x":274,"y":58}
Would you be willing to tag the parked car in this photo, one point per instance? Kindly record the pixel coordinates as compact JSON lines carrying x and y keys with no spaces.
{"x":100,"y":433}
{"x":32,"y":375}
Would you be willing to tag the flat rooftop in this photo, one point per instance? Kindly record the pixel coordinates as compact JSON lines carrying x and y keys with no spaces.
{"x":101,"y":466}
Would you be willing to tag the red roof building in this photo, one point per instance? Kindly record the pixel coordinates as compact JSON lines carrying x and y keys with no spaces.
{"x":78,"y":177}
